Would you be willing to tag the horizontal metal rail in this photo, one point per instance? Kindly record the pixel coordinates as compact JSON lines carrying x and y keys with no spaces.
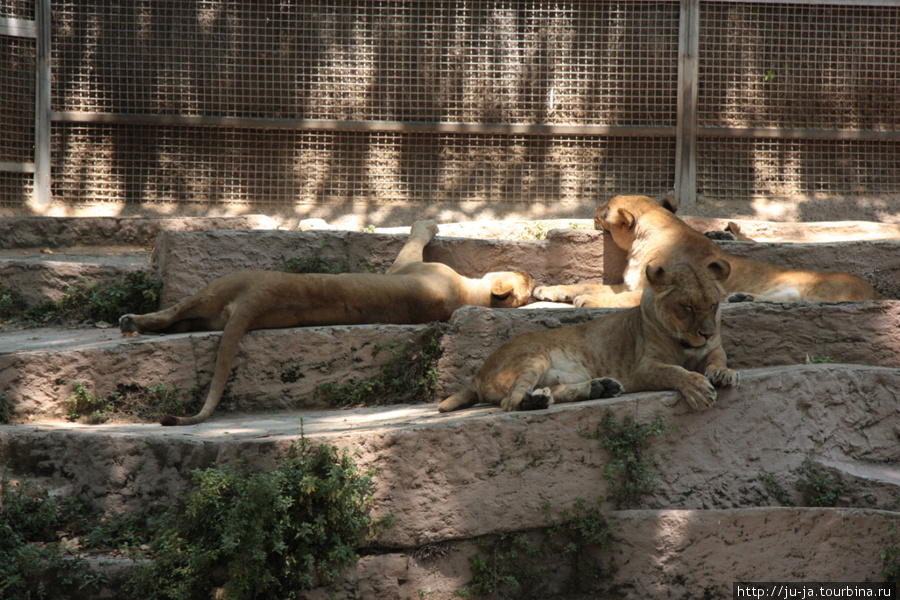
{"x":18,"y":27}
{"x":373,"y":126}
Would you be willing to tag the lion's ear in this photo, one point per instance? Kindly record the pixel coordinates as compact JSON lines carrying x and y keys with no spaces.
{"x":657,"y":276}
{"x":719,"y":270}
{"x":502,"y":288}
{"x":669,"y":203}
{"x":625,"y":219}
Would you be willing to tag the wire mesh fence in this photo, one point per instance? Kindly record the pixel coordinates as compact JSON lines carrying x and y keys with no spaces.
{"x":517,"y":101}
{"x":282,"y":167}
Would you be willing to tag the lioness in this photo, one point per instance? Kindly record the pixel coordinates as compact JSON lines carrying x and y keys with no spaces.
{"x":412,"y":291}
{"x":651,"y":233}
{"x":663,"y":344}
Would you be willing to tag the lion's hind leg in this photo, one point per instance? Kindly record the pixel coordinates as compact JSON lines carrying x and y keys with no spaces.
{"x":464,"y":398}
{"x":604,"y":387}
{"x":420,"y":234}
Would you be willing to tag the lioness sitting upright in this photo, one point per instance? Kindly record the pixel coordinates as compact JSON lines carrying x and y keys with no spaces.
{"x":412,"y":291}
{"x":652,"y":233}
{"x":670,"y":342}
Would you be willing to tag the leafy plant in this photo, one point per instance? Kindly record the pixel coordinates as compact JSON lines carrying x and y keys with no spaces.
{"x":262,"y":535}
{"x":629,"y":472}
{"x":508,"y":564}
{"x":314,"y":264}
{"x":33,"y":563}
{"x":6,"y":410}
{"x":98,"y":301}
{"x":132,"y":402}
{"x":890,"y":559}
{"x":411,"y":376}
{"x":776,"y":490}
{"x":818,"y":488}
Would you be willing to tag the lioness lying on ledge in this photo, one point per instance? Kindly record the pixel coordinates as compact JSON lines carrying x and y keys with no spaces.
{"x":651,"y":233}
{"x":663,"y":344}
{"x":412,"y":291}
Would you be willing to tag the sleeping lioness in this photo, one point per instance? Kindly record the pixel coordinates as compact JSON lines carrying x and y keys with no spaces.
{"x":412,"y":291}
{"x":670,"y":342}
{"x":652,"y":233}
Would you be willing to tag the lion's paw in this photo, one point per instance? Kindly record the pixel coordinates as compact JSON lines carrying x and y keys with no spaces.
{"x":587,"y":301}
{"x":429,"y":226}
{"x":536,"y":399}
{"x":723,"y":376}
{"x":606,"y":387}
{"x":552,"y":293}
{"x":698,"y":391}
{"x":127,"y":324}
{"x":739,"y":297}
{"x":721,"y":235}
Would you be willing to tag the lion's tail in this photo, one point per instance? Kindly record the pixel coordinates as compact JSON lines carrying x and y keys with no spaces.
{"x":235,"y":329}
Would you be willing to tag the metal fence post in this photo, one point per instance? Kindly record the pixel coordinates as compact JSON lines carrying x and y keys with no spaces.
{"x":42,"y":190}
{"x":686,"y":128}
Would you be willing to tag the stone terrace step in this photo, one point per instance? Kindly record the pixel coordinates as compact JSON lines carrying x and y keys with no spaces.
{"x":460,"y":475}
{"x":187,"y":261}
{"x":654,"y":555}
{"x":280,"y":369}
{"x":65,"y":232}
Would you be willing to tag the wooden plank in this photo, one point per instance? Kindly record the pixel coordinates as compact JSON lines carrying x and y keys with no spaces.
{"x":686,"y":127}
{"x":17,"y":27}
{"x":373,"y":126}
{"x":42,"y":189}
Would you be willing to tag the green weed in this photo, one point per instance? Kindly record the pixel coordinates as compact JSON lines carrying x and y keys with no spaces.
{"x":409,"y":377}
{"x":33,"y":562}
{"x":629,"y":472}
{"x":818,"y":488}
{"x":132,"y":402}
{"x":509,"y":564}
{"x":99,"y":301}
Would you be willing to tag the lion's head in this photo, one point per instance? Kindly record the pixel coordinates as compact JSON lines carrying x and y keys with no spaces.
{"x":510,"y":289}
{"x":686,"y":300}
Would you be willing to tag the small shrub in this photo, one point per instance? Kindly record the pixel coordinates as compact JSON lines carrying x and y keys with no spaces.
{"x":262,"y":535}
{"x":83,"y":301}
{"x":817,"y":488}
{"x":776,"y":490}
{"x":6,"y":411}
{"x":314,"y":264}
{"x":410,"y":377}
{"x":630,"y":474}
{"x":508,"y":564}
{"x":132,"y":402}
{"x":33,"y":564}
{"x":890,"y":559}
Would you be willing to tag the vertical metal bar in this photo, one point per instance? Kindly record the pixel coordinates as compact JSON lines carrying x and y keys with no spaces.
{"x":42,"y":191}
{"x":686,"y":134}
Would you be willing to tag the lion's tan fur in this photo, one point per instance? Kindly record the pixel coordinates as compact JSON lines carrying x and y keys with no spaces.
{"x":651,"y":233}
{"x":670,"y":342}
{"x":412,"y":291}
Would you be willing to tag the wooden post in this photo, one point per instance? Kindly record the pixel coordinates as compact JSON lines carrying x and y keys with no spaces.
{"x":42,"y":190}
{"x":686,"y":128}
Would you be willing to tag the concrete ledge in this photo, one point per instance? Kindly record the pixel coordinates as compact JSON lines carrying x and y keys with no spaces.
{"x":41,"y":232}
{"x":186,"y":262}
{"x":460,"y":475}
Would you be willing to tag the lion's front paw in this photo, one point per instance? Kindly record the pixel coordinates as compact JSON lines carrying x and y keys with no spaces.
{"x":606,"y":387}
{"x":127,"y":324}
{"x":588,"y":301}
{"x":739,"y":297}
{"x":553,"y":293}
{"x":722,"y":376}
{"x":698,"y":391}
{"x":536,"y":399}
